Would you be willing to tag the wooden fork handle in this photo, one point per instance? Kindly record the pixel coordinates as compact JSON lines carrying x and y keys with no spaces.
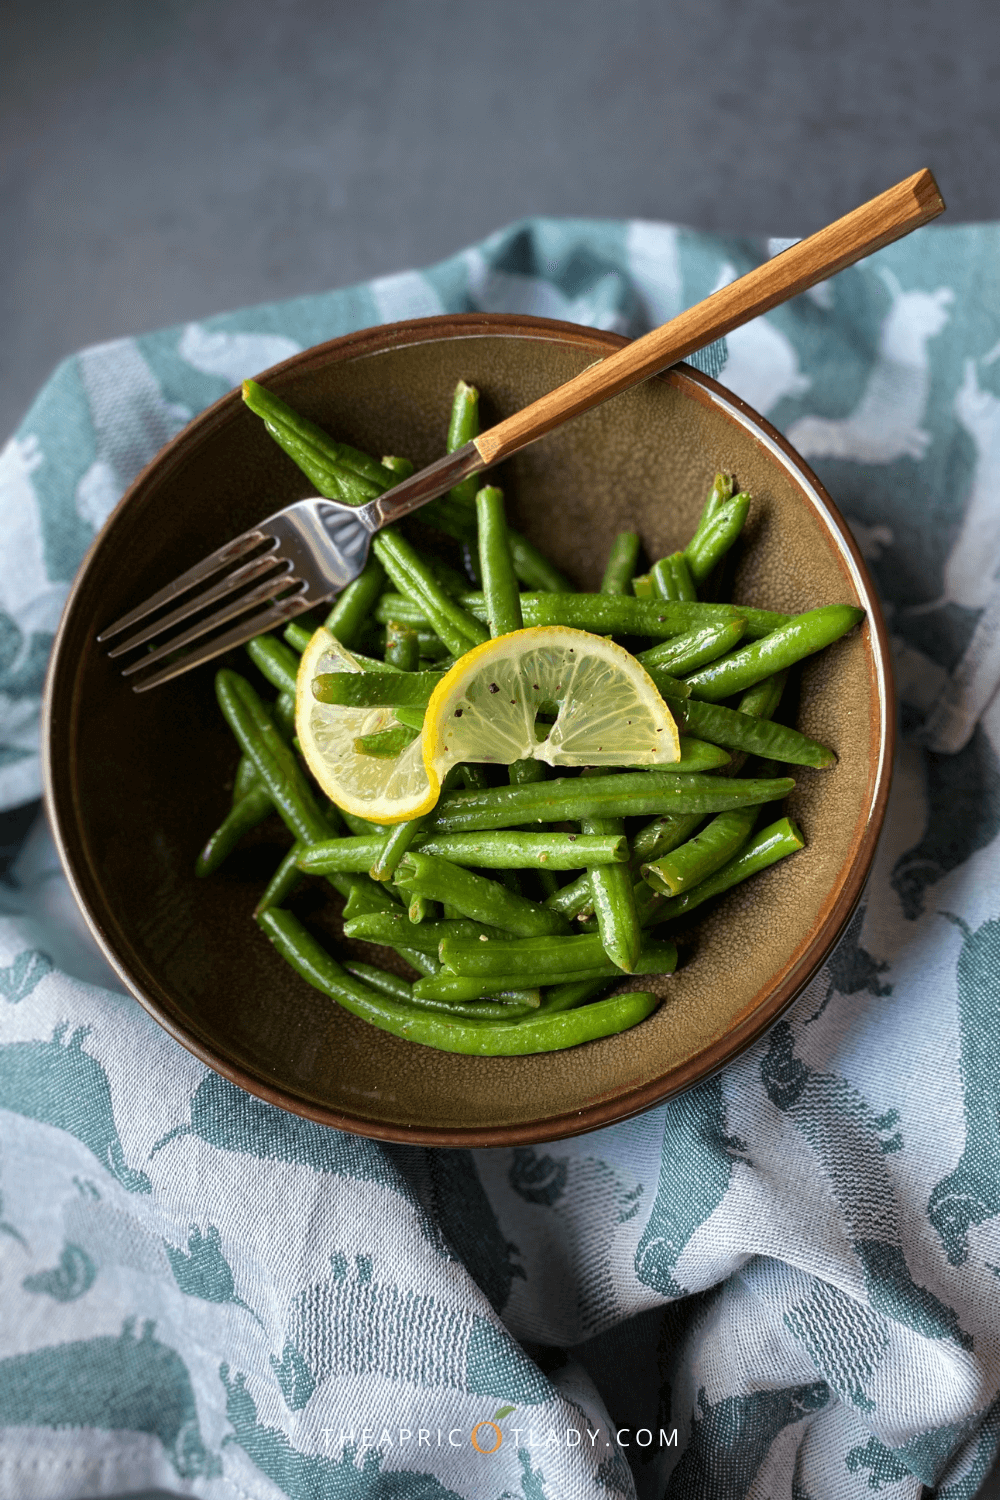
{"x":876,"y":223}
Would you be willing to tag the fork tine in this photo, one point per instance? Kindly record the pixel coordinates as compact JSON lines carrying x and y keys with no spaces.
{"x":277,"y":614}
{"x":228,"y":584}
{"x":224,"y":555}
{"x":265,"y":590}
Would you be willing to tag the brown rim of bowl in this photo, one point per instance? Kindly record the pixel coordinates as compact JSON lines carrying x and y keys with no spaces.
{"x":606,"y":1111}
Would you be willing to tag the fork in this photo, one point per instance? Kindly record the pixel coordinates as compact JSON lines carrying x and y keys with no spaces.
{"x":308,"y":552}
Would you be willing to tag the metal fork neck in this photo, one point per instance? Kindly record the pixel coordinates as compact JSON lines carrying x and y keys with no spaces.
{"x":426,"y":485}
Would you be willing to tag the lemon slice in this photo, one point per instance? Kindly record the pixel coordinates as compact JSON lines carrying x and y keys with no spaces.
{"x":383,"y":790}
{"x":609,"y":710}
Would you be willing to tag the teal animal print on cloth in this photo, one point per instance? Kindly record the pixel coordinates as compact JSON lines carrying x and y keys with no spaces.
{"x":845,"y":1341}
{"x":468,"y":1225}
{"x":9,"y":1229}
{"x":847,"y":1138}
{"x":884,"y":1467}
{"x":60,"y":1084}
{"x":809,"y":1239}
{"x":294,"y":1376}
{"x":313,"y":1476}
{"x":203,"y":1271}
{"x":225,"y":1117}
{"x":18,"y":979}
{"x":696,"y":1167}
{"x":71,"y":1278}
{"x":538,"y":1179}
{"x":971,"y":1193}
{"x":852,"y":969}
{"x":730,"y":1439}
{"x":128,"y":1383}
{"x":963,"y":795}
{"x":354,"y":1324}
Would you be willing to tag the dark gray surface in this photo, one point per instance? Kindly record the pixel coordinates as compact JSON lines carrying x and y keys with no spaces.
{"x":164,"y":161}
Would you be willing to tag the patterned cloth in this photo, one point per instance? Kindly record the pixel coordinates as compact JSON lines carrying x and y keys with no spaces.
{"x":783,"y":1283}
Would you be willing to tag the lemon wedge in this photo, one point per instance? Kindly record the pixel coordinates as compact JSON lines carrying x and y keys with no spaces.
{"x":604,"y":706}
{"x":382,"y":790}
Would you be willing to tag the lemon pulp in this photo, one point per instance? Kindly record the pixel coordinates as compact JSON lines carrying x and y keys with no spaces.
{"x":491,"y":706}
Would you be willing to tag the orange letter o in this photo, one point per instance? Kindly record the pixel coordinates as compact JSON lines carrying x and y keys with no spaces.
{"x":495,"y":1445}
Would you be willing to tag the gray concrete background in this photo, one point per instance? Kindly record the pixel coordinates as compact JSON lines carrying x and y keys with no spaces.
{"x":161,"y":160}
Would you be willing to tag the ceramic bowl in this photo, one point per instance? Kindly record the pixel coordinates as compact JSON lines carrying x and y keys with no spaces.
{"x":134,"y":783}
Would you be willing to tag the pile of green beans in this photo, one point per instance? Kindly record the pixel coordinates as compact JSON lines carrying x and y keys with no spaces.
{"x":523,"y":897}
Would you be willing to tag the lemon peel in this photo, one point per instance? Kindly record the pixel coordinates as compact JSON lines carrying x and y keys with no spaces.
{"x":384,"y":790}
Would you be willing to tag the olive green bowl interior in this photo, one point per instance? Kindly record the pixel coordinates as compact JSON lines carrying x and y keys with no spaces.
{"x":135,"y":782}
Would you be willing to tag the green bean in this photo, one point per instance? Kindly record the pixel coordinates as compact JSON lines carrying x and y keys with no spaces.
{"x":244,"y":815}
{"x":246,"y":778}
{"x":463,"y":426}
{"x":386,"y":743}
{"x":480,"y":1010}
{"x":297,"y":635}
{"x":655,"y":838}
{"x":573,"y":898}
{"x":380,"y":980}
{"x":568,"y":799}
{"x":569,"y":996}
{"x":484,"y":851}
{"x":451,"y":580}
{"x":401,"y":835}
{"x":503,"y":602}
{"x":456,"y":627}
{"x":362,"y":827}
{"x":671,"y":578}
{"x":421,"y":910}
{"x":800,"y":637}
{"x":538,"y":957}
{"x":738,"y":731}
{"x":696,"y":648}
{"x":412,"y":718}
{"x":375,"y":689}
{"x":276,"y":763}
{"x":721,"y":491}
{"x":656,"y":958}
{"x":533,"y":568}
{"x":476,"y":896}
{"x":662,"y":835}
{"x":390,"y":928}
{"x":356,"y":602}
{"x":607,"y":614}
{"x":526,"y":772}
{"x":642,"y":587}
{"x":402,"y":647}
{"x":709,"y":545}
{"x":621,"y":564}
{"x":275,"y":661}
{"x":514,"y":1038}
{"x":338,"y":471}
{"x":696,"y":755}
{"x":282,"y":883}
{"x":761,"y":701}
{"x":611,"y":893}
{"x":432,"y":649}
{"x":392,"y":848}
{"x":702,"y":855}
{"x":364,"y":895}
{"x":283,"y":711}
{"x":764,"y":848}
{"x":400,"y":989}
